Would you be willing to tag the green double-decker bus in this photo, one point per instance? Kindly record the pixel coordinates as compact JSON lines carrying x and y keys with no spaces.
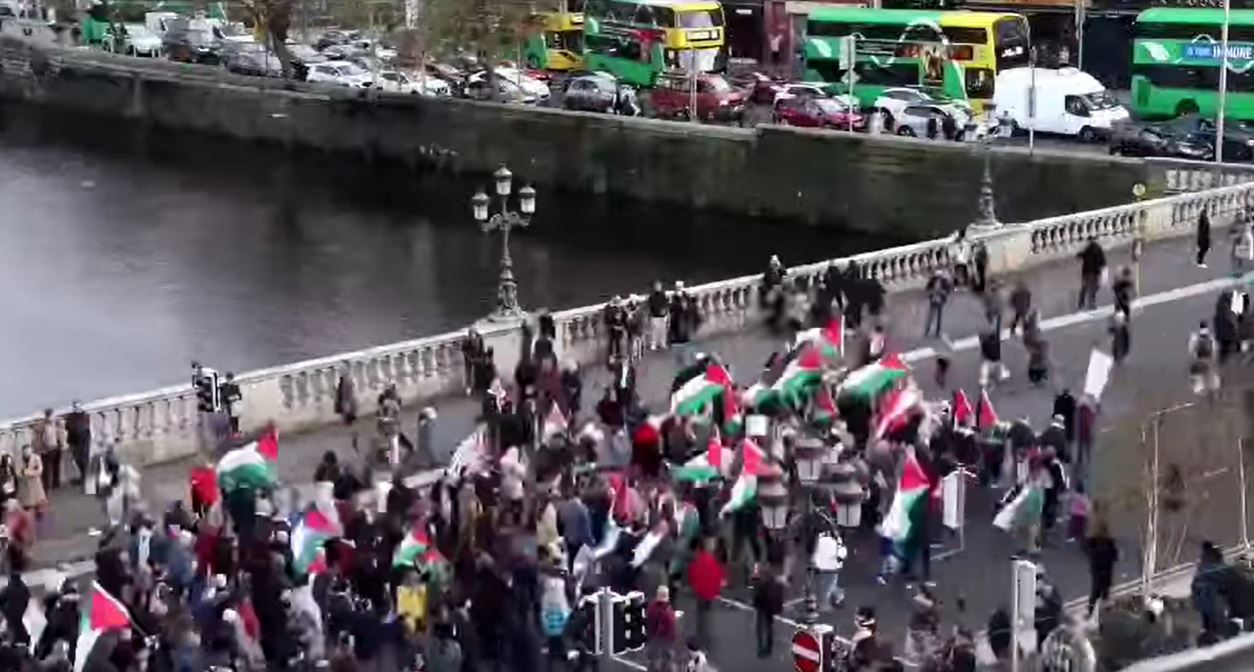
{"x":1176,"y":57}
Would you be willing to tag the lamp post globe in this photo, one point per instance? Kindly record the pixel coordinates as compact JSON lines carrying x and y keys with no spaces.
{"x":479,"y":206}
{"x":527,"y":200}
{"x":504,"y":180}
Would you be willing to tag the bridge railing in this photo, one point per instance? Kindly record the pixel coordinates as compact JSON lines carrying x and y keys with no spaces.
{"x":163,"y":424}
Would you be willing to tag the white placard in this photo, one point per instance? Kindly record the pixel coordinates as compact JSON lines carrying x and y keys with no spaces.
{"x":953,"y":491}
{"x":1098,"y":374}
{"x":756,"y":425}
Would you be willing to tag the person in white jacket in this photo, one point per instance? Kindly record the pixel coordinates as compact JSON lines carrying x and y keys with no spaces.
{"x":828,"y":560}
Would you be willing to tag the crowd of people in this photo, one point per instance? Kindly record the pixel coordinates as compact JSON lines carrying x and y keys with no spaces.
{"x":545,"y":502}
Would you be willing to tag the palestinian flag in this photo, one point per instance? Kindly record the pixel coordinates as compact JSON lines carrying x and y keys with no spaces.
{"x":909,"y":504}
{"x":761,"y":398}
{"x":986,"y":417}
{"x":412,"y":548}
{"x":254,"y":466}
{"x":698,"y":471}
{"x":963,"y":414}
{"x":104,"y":613}
{"x":824,"y":412}
{"x":313,"y":530}
{"x":733,"y":413}
{"x":743,"y":493}
{"x":753,"y":457}
{"x":694,"y":395}
{"x":895,"y":411}
{"x":803,"y":371}
{"x":830,"y":340}
{"x":873,"y":380}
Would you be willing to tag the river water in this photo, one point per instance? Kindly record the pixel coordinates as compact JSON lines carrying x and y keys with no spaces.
{"x":121,"y":259}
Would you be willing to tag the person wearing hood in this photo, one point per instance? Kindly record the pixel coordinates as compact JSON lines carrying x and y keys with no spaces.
{"x":768,"y":602}
{"x":662,"y":630}
{"x":61,"y":610}
{"x":1203,"y":237}
{"x":554,"y":606}
{"x":13,"y":601}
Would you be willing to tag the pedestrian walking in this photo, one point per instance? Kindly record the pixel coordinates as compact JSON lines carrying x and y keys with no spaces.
{"x":659,"y":310}
{"x":1203,"y":377}
{"x":1038,"y":351}
{"x":662,"y":631}
{"x":706,"y":578}
{"x":939,"y":287}
{"x":828,"y":559}
{"x":1021,"y":304}
{"x":1102,"y":555}
{"x":1124,"y":290}
{"x":979,"y":259}
{"x":1203,"y":238}
{"x":31,"y":490}
{"x":1092,"y":267}
{"x":991,"y":368}
{"x":473,"y":350}
{"x":1120,"y":336}
{"x":768,"y":602}
{"x":78,"y":438}
{"x":960,"y":257}
{"x":232,"y":401}
{"x":49,"y":444}
{"x":1242,"y":249}
{"x":346,"y":394}
{"x":614,"y":317}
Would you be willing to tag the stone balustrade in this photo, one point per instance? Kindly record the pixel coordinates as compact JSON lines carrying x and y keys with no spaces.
{"x":163,"y":424}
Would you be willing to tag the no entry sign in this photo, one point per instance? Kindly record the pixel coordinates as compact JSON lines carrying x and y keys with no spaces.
{"x":806,"y":656}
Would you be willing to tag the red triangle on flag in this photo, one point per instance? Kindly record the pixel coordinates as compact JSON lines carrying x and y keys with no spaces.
{"x":893,"y":362}
{"x":754,"y":458}
{"x":988,"y":415}
{"x":834,"y":332}
{"x":912,"y":475}
{"x":824,"y":402}
{"x":715,"y":456}
{"x":963,"y":413}
{"x":268,"y":444}
{"x":809,"y":357}
{"x":107,"y":612}
{"x":716,"y":374}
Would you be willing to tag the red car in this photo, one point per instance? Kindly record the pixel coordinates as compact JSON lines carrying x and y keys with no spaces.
{"x":810,"y":112}
{"x":716,"y":99}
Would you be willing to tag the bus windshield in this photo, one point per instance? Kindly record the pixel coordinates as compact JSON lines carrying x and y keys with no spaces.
{"x":700,"y":18}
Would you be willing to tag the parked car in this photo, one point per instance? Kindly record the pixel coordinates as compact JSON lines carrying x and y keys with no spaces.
{"x":816,"y":112}
{"x":1238,"y":140}
{"x":913,"y":121}
{"x":455,"y":77}
{"x":591,"y":92}
{"x":892,"y":102}
{"x":716,"y":99}
{"x":506,"y":92}
{"x":1144,"y":140}
{"x":135,"y":40}
{"x":186,"y":44}
{"x":530,"y":86}
{"x":243,"y":58}
{"x":303,"y":56}
{"x":394,"y":81}
{"x":342,"y":73}
{"x":335,"y":36}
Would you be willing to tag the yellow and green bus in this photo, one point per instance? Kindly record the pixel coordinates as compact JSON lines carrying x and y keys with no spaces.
{"x":637,"y":40}
{"x":1176,"y":56}
{"x":557,"y":43}
{"x":957,"y":52}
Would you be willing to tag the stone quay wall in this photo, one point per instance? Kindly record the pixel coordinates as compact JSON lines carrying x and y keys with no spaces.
{"x":904,"y":187}
{"x":161,"y":425}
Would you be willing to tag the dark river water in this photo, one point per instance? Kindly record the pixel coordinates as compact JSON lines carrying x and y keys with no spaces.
{"x":123,"y":256}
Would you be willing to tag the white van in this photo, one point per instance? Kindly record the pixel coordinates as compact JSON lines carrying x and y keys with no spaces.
{"x":1068,"y":102}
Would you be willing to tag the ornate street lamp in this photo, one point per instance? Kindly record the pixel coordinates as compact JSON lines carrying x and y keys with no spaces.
{"x":986,"y":214}
{"x":507,"y":307}
{"x":773,"y":499}
{"x":807,"y":456}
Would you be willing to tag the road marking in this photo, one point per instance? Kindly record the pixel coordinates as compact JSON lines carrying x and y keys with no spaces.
{"x":744,"y":607}
{"x":629,"y":663}
{"x":1081,"y":317}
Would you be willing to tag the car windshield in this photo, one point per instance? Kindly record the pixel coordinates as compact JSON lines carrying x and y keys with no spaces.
{"x":1100,"y":100}
{"x":718,"y":85}
{"x":199,"y":38}
{"x":701,"y":18}
{"x":829,"y":105}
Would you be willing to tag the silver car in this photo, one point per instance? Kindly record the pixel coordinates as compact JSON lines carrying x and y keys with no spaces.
{"x":591,"y":93}
{"x":912,"y":121}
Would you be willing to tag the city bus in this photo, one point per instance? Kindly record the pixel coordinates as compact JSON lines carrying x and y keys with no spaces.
{"x":1176,"y":57}
{"x":637,"y":40}
{"x":557,"y":43}
{"x":896,"y":48}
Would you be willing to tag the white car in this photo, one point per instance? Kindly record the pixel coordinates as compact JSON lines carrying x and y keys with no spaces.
{"x":531,"y":87}
{"x":893,"y":102}
{"x":343,"y":73}
{"x":399,"y":82}
{"x":137,"y":41}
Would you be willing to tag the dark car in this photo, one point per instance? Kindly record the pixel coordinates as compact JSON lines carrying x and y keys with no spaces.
{"x":811,"y":112}
{"x":1238,"y":141}
{"x":248,"y":58}
{"x":1139,"y":140}
{"x":593,"y":92}
{"x":335,"y":36}
{"x":186,"y":44}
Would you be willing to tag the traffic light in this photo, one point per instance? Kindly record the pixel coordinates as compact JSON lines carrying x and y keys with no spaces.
{"x":208,"y":399}
{"x":627,"y":630}
{"x":588,"y":624}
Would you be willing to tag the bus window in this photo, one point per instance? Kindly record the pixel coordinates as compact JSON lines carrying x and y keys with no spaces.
{"x":701,"y":18}
{"x":900,"y":74}
{"x":570,"y":40}
{"x":1176,"y":31}
{"x":979,"y":83}
{"x":1011,"y":42}
{"x":965,"y":35}
{"x":1178,"y":77}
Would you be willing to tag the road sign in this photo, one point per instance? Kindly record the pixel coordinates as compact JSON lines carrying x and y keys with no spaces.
{"x":806,"y":656}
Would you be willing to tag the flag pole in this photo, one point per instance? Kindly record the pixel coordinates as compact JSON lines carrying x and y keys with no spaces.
{"x":1223,"y":84}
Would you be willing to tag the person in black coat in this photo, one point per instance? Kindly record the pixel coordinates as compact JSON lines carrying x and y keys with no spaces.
{"x":1102,"y":554}
{"x":13,"y":601}
{"x":1203,"y":238}
{"x":1092,"y":263}
{"x":1065,"y":407}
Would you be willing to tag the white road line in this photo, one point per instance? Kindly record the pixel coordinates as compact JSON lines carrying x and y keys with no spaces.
{"x":1072,"y":319}
{"x":629,"y":663}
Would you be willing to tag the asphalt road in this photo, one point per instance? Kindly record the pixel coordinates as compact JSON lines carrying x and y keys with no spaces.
{"x":1178,"y":296}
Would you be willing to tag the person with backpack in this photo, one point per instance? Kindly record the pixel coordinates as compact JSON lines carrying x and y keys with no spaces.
{"x":1202,"y":374}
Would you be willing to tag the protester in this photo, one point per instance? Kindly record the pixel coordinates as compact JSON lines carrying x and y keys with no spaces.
{"x":1203,"y":237}
{"x":768,"y":602}
{"x":1102,"y":555}
{"x":1092,"y":266}
{"x":938,"y":289}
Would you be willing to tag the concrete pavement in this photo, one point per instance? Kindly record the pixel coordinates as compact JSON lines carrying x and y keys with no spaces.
{"x":1181,"y":295}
